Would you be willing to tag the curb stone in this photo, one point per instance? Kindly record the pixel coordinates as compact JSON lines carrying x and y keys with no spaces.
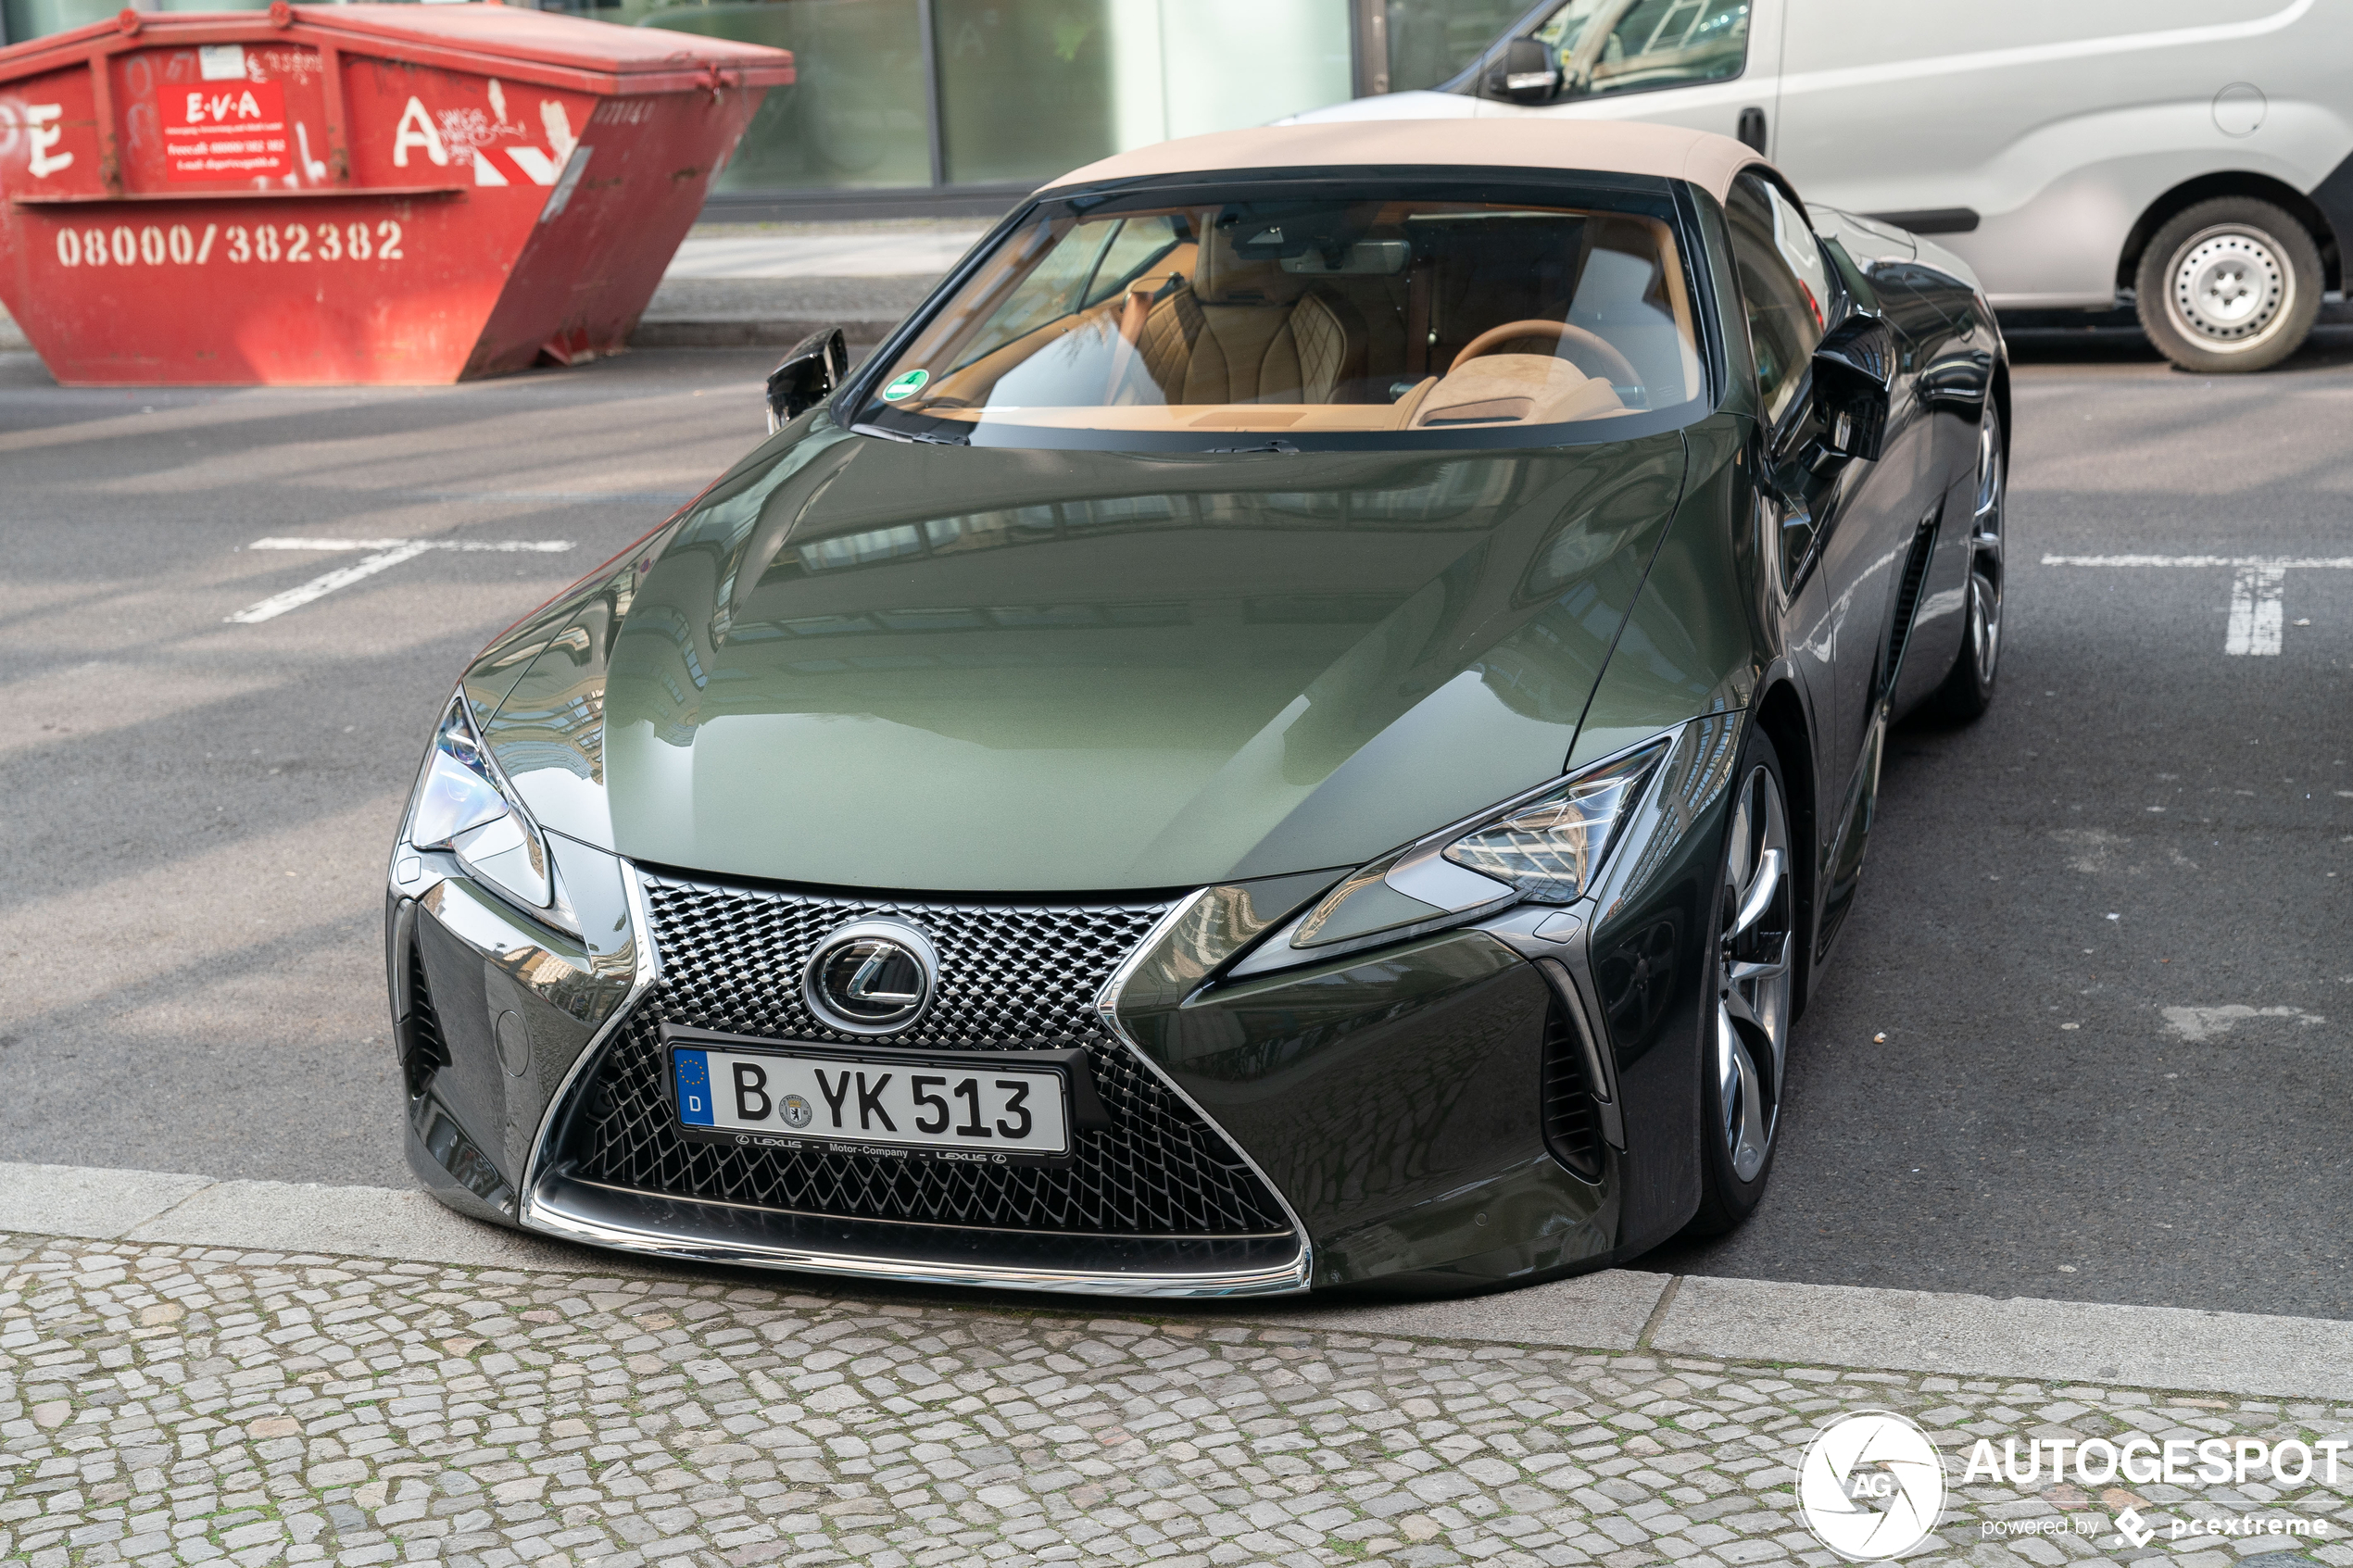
{"x":2241,"y":1353}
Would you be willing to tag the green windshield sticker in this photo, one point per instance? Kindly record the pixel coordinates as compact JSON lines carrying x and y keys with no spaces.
{"x":905,"y":386}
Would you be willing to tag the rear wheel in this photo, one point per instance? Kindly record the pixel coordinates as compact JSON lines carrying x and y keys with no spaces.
{"x":1747,"y":1047}
{"x":2233,"y":284}
{"x":1969,"y":690}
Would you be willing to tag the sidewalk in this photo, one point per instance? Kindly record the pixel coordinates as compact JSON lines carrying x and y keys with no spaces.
{"x":193,"y":1371}
{"x":775,"y":283}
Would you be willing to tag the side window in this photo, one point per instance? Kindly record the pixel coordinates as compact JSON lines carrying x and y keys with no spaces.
{"x":1622,"y":46}
{"x":1783,"y":284}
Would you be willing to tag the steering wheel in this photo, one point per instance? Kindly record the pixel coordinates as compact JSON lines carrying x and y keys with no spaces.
{"x":1621,"y":370}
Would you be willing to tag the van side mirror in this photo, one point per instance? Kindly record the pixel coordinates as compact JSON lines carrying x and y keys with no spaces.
{"x":1854,"y":368}
{"x":1527,"y":73}
{"x":806,"y":376}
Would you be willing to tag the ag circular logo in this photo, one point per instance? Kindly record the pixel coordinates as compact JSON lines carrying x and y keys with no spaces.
{"x":870,"y":977}
{"x":1871,"y":1486}
{"x":795,"y":1111}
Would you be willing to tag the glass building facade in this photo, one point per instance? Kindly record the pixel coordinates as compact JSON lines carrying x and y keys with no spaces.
{"x":1421,"y":42}
{"x":946,"y":95}
{"x":901,"y":101}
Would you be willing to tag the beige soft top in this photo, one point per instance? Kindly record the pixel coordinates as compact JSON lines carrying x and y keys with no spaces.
{"x":1611,"y":146}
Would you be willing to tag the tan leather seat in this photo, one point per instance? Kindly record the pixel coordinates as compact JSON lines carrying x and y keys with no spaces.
{"x":1303,"y":351}
{"x":1247,"y":331}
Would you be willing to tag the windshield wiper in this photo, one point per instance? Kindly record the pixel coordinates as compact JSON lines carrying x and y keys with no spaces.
{"x":1270,"y":447}
{"x":925,"y":437}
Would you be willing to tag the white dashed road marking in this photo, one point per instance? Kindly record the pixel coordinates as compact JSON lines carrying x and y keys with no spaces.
{"x":382,"y":553}
{"x":2258,"y":586}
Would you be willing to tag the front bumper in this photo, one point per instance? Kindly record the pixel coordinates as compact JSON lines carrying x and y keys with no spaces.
{"x":1458,"y":1111}
{"x":573,"y":1135}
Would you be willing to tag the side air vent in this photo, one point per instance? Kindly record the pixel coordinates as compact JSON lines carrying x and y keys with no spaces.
{"x":1907,"y":593}
{"x":422,"y":1051}
{"x":1572,"y":1127}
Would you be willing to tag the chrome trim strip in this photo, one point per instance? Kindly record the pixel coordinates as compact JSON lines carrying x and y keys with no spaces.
{"x":649,"y":970}
{"x":1575,"y":964}
{"x":919,"y":1225}
{"x":541,"y":1215}
{"x":1265,"y":1282}
{"x":1107,"y":1005}
{"x":1598,"y":1063}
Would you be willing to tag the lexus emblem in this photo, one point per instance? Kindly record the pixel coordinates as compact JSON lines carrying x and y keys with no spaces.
{"x":870,"y":977}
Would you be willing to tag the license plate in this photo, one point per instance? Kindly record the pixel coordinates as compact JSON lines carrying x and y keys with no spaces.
{"x":953,"y":1109}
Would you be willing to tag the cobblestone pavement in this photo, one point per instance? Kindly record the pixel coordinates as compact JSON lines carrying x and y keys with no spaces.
{"x":181,"y":1406}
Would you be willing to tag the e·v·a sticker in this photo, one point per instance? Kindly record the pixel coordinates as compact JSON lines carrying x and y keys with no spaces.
{"x":905,"y":386}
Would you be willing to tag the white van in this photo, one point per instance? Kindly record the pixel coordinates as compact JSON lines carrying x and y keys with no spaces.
{"x":2192,"y":157}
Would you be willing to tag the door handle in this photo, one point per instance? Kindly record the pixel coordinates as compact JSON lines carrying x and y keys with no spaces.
{"x":1752,"y":129}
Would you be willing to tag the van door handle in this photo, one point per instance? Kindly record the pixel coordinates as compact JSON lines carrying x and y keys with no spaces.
{"x":1752,"y":129}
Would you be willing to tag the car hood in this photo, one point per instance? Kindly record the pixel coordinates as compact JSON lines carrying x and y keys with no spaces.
{"x":866,"y":663}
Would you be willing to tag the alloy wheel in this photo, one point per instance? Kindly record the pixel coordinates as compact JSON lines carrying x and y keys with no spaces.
{"x":1985,"y":551}
{"x":1753,"y":978}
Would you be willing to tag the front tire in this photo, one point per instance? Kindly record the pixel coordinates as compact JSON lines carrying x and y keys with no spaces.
{"x":1967,"y":692}
{"x":1745,"y":1055}
{"x":2228,"y":285}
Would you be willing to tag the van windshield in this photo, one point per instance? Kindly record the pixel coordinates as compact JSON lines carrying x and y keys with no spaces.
{"x":1371,"y":315}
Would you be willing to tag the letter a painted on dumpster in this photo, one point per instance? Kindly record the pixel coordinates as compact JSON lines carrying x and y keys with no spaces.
{"x":415,"y":130}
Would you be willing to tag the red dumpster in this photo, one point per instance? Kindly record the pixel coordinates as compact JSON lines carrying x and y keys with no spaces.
{"x":352,"y":194}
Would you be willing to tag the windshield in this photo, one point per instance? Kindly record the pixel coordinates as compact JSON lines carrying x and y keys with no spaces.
{"x":1358,"y":315}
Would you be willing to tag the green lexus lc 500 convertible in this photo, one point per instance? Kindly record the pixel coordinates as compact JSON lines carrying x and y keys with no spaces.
{"x":1307,"y":721}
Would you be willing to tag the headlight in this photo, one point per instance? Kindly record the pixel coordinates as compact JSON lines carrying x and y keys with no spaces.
{"x":464,"y":806}
{"x":1547,"y":847}
{"x":1551,"y":847}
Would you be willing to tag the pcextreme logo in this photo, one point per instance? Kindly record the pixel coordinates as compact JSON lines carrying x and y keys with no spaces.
{"x":1871,"y":1486}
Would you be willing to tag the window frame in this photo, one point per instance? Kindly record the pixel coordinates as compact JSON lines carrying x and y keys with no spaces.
{"x":1837,"y":304}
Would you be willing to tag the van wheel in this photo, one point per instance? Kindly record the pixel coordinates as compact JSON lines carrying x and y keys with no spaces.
{"x":2233,"y":284}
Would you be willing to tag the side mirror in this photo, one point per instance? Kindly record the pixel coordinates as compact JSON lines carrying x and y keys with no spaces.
{"x":1958,"y":379}
{"x":807,"y":376}
{"x":1527,"y":73}
{"x":1854,"y":368}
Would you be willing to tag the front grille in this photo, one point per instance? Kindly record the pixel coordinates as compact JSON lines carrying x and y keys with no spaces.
{"x":1571,"y":1129}
{"x":1013,"y":977}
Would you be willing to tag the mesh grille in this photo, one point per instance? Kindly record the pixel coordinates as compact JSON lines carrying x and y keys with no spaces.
{"x":1571,"y":1127}
{"x":1011,"y":977}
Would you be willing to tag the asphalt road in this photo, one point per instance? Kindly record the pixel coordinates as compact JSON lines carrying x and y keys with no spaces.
{"x":2102,"y":932}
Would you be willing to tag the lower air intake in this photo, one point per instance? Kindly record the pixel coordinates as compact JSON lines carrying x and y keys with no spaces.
{"x":1572,"y":1128}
